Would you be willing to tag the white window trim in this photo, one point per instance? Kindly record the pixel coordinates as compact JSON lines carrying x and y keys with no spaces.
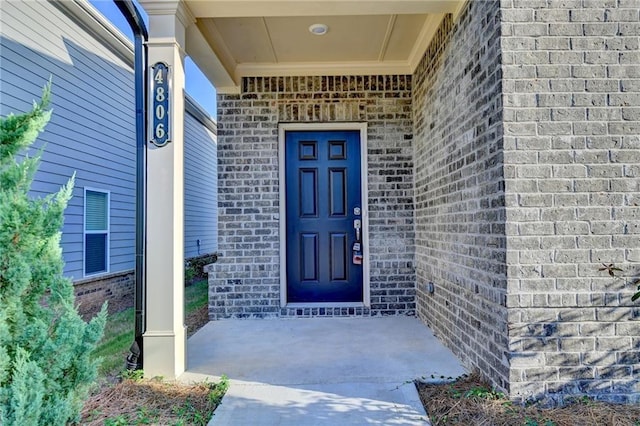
{"x":85,"y":232}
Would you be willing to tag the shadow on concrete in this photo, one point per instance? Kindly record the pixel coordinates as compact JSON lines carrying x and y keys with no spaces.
{"x":320,"y":370}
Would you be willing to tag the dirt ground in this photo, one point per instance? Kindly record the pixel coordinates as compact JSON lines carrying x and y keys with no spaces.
{"x":470,"y":401}
{"x":197,"y":320}
{"x":135,"y":402}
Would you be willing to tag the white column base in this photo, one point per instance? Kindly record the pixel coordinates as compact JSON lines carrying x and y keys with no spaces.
{"x":165,"y":353}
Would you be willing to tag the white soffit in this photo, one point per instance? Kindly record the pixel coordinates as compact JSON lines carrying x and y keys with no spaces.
{"x":272,"y":38}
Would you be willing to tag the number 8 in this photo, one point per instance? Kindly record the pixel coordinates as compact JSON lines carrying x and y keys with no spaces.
{"x":160,"y":94}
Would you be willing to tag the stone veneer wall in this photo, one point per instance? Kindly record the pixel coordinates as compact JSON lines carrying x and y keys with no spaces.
{"x":245,"y":282}
{"x":116,"y":288}
{"x":572,"y":168}
{"x":460,"y":216}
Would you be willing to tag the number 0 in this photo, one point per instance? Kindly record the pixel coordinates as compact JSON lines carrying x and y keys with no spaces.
{"x":160,"y":112}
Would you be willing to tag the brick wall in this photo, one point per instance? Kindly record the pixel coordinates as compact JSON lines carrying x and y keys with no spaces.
{"x":519,"y":148}
{"x":116,"y":288}
{"x":245,"y":282}
{"x":572,"y":167}
{"x":460,"y":240}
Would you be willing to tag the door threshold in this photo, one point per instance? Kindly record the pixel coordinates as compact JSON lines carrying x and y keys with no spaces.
{"x":327,"y":305}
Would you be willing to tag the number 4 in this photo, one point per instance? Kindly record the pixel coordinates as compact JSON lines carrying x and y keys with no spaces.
{"x":158,"y":77}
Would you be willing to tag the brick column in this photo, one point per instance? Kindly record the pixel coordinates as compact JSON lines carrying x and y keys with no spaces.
{"x":572,"y":169}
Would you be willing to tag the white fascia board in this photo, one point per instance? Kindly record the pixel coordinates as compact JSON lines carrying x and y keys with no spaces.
{"x":206,"y":59}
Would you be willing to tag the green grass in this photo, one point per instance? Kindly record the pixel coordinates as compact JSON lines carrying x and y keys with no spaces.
{"x":114,"y":346}
{"x":196,"y":296}
{"x":119,"y":330}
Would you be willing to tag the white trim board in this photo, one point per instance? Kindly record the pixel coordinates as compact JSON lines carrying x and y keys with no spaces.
{"x":362,"y":127}
{"x":107,"y":232}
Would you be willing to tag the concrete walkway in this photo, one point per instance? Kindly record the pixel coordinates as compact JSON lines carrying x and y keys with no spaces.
{"x":319,"y":371}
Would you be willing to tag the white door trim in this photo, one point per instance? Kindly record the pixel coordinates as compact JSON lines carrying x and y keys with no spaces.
{"x":362,"y":127}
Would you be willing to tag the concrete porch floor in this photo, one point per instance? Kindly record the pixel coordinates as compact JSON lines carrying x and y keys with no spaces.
{"x":319,"y":371}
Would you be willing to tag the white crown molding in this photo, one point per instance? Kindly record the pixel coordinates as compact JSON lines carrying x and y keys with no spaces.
{"x":323,"y":68}
{"x":459,"y":8}
{"x":170,"y":7}
{"x":429,"y":29}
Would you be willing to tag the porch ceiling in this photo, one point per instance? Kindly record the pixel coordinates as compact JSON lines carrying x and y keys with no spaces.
{"x":236,"y":38}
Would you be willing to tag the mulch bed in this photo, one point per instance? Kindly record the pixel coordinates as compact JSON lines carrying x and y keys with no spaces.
{"x":149,"y":402}
{"x":196,"y":320}
{"x":470,"y":401}
{"x":131,"y":402}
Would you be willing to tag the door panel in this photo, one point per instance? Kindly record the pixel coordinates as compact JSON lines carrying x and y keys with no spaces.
{"x":338,"y":256}
{"x":337,"y":192}
{"x":323,"y":187}
{"x":309,"y":257}
{"x":308,"y":192}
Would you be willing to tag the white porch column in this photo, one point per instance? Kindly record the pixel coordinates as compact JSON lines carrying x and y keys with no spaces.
{"x":165,"y":337}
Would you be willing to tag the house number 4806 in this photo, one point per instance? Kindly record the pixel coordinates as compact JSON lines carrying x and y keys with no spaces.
{"x":159,"y":104}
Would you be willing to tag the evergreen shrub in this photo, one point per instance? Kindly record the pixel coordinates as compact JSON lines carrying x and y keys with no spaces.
{"x":46,"y":363}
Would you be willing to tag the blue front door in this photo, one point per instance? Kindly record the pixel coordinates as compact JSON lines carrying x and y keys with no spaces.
{"x":324,"y":233}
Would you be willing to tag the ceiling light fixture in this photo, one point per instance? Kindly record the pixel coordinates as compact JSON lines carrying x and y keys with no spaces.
{"x":318,"y":29}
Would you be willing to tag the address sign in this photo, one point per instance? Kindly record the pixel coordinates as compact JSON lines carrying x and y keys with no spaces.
{"x":160,"y":131}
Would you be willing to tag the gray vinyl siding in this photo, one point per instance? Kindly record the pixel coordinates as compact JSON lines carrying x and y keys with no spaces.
{"x":92,"y":129}
{"x":200,"y":193}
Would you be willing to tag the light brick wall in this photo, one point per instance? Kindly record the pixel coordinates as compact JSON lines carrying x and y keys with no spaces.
{"x":521,"y":140}
{"x":245,"y":282}
{"x":460,"y":240}
{"x":572,"y":167}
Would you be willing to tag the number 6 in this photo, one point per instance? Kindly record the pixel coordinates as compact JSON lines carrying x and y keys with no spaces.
{"x":160,"y":131}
